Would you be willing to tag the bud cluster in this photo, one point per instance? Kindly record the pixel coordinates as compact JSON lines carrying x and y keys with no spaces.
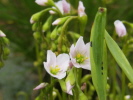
{"x":4,"y":50}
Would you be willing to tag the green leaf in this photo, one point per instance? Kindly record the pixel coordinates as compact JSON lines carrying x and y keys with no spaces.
{"x":119,"y":57}
{"x":98,"y":54}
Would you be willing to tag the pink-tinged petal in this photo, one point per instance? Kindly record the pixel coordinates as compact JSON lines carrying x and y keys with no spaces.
{"x":56,"y":22}
{"x":47,"y":67}
{"x":41,"y":2}
{"x":66,"y":6}
{"x":60,"y":75}
{"x":63,"y":61}
{"x":52,"y":12}
{"x":40,"y":86}
{"x":72,"y":51}
{"x":120,"y":28}
{"x":51,"y":57}
{"x":60,"y":6}
{"x":80,"y":46}
{"x":86,"y":65}
{"x":87,"y":53}
{"x":81,"y":9}
{"x":69,"y":87}
{"x":2,"y":34}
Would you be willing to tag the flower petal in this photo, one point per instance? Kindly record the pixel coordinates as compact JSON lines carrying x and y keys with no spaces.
{"x":63,"y":61}
{"x":86,"y":65}
{"x":72,"y":51}
{"x":51,"y":58}
{"x":69,"y":87}
{"x":80,"y":46}
{"x":60,"y":75}
{"x":120,"y":28}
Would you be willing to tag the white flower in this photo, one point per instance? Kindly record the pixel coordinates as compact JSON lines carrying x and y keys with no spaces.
{"x":40,"y":86}
{"x":66,"y":6}
{"x":81,"y":9}
{"x":57,"y":66}
{"x":80,"y":54}
{"x":127,"y":97}
{"x":69,"y":88}
{"x":120,"y":28}
{"x":63,"y":6}
{"x":2,"y":34}
{"x":41,"y":2}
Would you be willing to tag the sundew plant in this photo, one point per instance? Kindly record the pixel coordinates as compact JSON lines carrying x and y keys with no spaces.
{"x":74,"y":64}
{"x":79,"y":70}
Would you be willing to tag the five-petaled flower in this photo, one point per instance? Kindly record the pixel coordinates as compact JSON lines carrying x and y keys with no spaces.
{"x":80,"y":54}
{"x":57,"y":66}
{"x":120,"y":28}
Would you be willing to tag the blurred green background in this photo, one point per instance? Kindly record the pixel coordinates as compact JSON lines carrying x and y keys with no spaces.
{"x":19,"y":77}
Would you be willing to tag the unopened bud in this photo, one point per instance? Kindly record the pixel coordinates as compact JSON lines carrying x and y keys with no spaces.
{"x":60,"y":21}
{"x":81,"y":9}
{"x":2,"y":34}
{"x":47,"y":24}
{"x":120,"y":28}
{"x":54,"y":34}
{"x":37,"y":35}
{"x":34,"y":27}
{"x":5,"y":40}
{"x":35,"y":17}
{"x":64,"y":48}
{"x":40,"y":86}
{"x":45,"y":2}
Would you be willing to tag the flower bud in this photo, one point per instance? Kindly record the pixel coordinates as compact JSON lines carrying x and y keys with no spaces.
{"x":54,"y":34}
{"x":45,"y":2}
{"x":34,"y":27}
{"x":47,"y":24}
{"x":37,"y":35}
{"x":120,"y":28}
{"x":40,"y":86}
{"x":71,"y":77}
{"x":2,"y":34}
{"x":5,"y":40}
{"x":35,"y":17}
{"x":81,"y":9}
{"x":64,"y":48}
{"x":60,"y":21}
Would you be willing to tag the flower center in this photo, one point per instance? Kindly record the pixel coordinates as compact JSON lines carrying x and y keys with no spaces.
{"x":80,"y":58}
{"x":54,"y":70}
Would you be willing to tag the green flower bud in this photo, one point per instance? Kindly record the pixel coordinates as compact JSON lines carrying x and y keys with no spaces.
{"x":83,"y":22}
{"x":53,"y":47}
{"x":47,"y":24}
{"x":64,"y":48}
{"x":5,"y":40}
{"x":34,"y":27}
{"x":60,"y":21}
{"x":43,"y":46}
{"x":63,"y":85}
{"x":71,"y":77}
{"x":35,"y":17}
{"x":6,"y":51}
{"x":54,"y":34}
{"x":37,"y":35}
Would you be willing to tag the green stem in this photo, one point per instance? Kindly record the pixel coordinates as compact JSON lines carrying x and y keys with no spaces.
{"x":123,"y":85}
{"x":64,"y":27}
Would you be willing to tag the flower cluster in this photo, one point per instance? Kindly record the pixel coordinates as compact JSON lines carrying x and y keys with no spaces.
{"x":79,"y":55}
